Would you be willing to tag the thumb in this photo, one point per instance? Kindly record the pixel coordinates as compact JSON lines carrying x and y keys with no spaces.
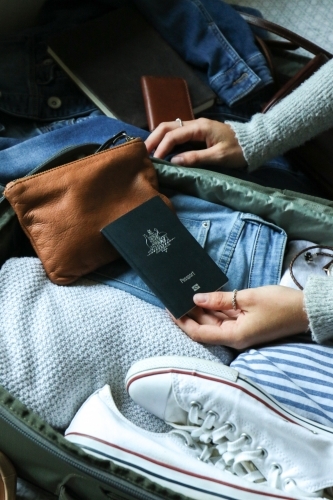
{"x":217,"y":301}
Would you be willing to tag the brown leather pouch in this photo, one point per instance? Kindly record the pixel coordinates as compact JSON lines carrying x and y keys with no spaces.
{"x":166,"y":98}
{"x":63,"y":210}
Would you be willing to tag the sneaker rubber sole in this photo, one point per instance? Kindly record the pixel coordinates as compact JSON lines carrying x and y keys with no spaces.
{"x":217,"y":372}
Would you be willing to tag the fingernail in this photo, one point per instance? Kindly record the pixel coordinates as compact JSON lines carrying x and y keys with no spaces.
{"x":200,"y":297}
{"x":177,"y":159}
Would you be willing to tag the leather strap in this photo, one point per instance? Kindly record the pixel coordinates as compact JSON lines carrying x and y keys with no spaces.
{"x":296,"y":80}
{"x":281,"y":44}
{"x":285,"y":33}
{"x":269,"y":59}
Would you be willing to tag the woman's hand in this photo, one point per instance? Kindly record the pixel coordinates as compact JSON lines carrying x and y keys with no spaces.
{"x":222,"y":145}
{"x":264,"y":314}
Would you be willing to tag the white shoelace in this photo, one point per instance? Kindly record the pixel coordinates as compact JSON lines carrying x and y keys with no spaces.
{"x":235,"y":456}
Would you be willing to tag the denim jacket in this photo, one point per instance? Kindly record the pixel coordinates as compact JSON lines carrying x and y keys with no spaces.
{"x":212,"y":37}
{"x":33,"y":86}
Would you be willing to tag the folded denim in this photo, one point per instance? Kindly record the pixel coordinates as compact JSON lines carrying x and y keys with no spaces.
{"x":248,"y":249}
{"x":215,"y":40}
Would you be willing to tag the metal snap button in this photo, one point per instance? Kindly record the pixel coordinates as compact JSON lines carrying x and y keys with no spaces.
{"x":54,"y":102}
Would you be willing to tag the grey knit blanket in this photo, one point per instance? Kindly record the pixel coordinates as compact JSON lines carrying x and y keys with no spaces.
{"x":61,"y":343}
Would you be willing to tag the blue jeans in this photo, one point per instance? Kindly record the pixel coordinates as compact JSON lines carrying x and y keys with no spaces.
{"x":247,"y":249}
{"x":212,"y":37}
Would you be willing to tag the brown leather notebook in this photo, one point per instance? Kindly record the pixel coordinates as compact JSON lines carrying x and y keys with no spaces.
{"x":166,"y":98}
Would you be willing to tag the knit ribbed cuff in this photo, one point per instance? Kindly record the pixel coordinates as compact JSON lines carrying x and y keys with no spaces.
{"x":251,"y":141}
{"x":318,"y":299}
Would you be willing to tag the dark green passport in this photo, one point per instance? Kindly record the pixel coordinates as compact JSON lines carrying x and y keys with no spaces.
{"x":165,"y":255}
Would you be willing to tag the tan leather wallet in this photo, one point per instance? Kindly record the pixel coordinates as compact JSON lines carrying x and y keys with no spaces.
{"x":166,"y":98}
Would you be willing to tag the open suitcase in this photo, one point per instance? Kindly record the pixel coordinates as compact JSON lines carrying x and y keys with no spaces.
{"x":43,"y":457}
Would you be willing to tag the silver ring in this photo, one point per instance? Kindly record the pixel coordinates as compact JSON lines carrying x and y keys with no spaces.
{"x":233,"y":302}
{"x":179,"y":121}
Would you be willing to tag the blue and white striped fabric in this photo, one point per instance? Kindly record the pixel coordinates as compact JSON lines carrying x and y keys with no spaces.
{"x":298,"y":375}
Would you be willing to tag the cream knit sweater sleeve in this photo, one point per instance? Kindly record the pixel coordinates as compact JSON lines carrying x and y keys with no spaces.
{"x":306,"y":112}
{"x":318,"y":299}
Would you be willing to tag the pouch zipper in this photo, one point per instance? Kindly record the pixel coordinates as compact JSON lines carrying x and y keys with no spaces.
{"x":103,"y":147}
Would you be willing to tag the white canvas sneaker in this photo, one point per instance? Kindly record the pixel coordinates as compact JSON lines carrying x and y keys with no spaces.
{"x":236,"y":426}
{"x":169,"y":459}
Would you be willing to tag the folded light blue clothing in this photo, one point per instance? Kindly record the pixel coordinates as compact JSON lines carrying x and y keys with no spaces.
{"x":297,"y":372}
{"x":248,"y":250}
